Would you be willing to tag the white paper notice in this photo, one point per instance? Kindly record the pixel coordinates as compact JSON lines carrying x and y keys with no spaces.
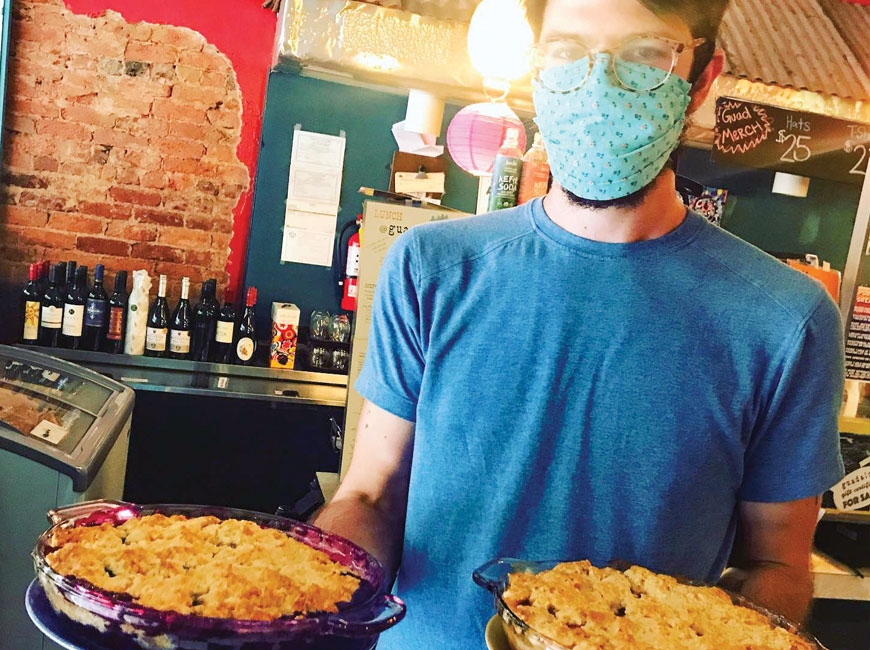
{"x":313,"y":194}
{"x":308,"y":238}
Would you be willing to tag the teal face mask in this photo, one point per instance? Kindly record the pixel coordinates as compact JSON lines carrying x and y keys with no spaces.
{"x":603,"y":140}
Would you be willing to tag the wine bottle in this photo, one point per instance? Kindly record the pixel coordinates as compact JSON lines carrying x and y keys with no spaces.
{"x":245,"y":343}
{"x":44,"y":270}
{"x":95,"y":312}
{"x":31,"y":303}
{"x":66,"y":275}
{"x":51,"y":314}
{"x":74,"y":308}
{"x":114,"y":342}
{"x":179,"y":332}
{"x":225,"y":330}
{"x":204,"y":322}
{"x":158,"y":323}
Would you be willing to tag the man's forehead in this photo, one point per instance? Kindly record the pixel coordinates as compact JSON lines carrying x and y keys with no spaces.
{"x":607,"y":20}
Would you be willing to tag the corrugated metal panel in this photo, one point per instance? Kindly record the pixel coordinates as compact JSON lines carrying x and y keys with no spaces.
{"x":791,"y":43}
{"x":853,"y":23}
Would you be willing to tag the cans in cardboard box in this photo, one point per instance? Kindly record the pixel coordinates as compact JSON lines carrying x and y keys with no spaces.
{"x":285,"y":326}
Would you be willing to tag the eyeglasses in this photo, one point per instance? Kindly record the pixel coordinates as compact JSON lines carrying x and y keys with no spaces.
{"x":563,"y":65}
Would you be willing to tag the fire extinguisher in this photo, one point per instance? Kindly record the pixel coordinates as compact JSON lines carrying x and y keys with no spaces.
{"x":351,"y":268}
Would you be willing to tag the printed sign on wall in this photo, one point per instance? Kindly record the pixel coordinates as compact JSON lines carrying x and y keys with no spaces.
{"x":806,"y":144}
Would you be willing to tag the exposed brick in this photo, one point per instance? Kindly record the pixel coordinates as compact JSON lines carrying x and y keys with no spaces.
{"x":224,"y":119}
{"x":199,"y":258}
{"x":20,"y":123}
{"x":87,"y":115}
{"x":208,"y":58}
{"x":156,"y":180}
{"x":45,"y":164}
{"x":141,"y":31}
{"x":144,"y":87}
{"x":222,"y":152}
{"x":184,"y":148}
{"x":23,"y":216}
{"x":175,"y":110}
{"x":106,"y":210}
{"x":188,"y":74}
{"x":185,"y":165}
{"x":139,"y":197}
{"x":133,"y":232}
{"x":43,"y":237}
{"x":111,"y":67}
{"x":209,"y":223}
{"x":159,"y":252}
{"x":150,"y":51}
{"x":180,"y":38}
{"x":43,"y":200}
{"x":75,"y":222}
{"x":66,"y":130}
{"x":184,"y":238}
{"x":118,"y":138}
{"x":159,"y":217}
{"x":17,"y":158}
{"x":102,"y":245}
{"x":25,"y":180}
{"x":216,"y":78}
{"x":188,"y":130}
{"x":35,"y":106}
{"x":234,"y":174}
{"x":180,"y":270}
{"x":189,"y":93}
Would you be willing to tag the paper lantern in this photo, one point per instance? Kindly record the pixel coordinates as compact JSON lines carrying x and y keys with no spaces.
{"x":476,"y":133}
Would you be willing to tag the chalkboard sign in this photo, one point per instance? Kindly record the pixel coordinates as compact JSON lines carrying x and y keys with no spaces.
{"x":807,"y":144}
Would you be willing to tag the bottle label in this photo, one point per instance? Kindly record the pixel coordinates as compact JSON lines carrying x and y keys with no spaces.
{"x":245,"y":348}
{"x":95,"y":313}
{"x":224,"y":332}
{"x":116,"y":323}
{"x":73,"y":319}
{"x":52,"y":317}
{"x":179,"y":341}
{"x":155,"y":338}
{"x":505,"y":181}
{"x":31,"y":320}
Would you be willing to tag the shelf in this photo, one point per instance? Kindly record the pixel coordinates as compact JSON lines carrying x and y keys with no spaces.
{"x":212,"y":379}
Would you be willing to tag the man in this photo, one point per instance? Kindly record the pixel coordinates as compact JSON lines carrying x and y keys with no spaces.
{"x":599,"y":374}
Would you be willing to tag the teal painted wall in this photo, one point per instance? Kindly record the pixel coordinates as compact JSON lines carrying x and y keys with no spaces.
{"x":821,"y":223}
{"x":366,"y":116}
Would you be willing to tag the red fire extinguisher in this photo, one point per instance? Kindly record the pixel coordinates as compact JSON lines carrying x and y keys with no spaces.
{"x":351,"y":272}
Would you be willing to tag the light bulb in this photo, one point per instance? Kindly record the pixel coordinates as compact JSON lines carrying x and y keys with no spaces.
{"x":499,"y":38}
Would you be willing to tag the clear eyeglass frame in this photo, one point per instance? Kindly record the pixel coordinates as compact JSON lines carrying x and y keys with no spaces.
{"x":540,"y":54}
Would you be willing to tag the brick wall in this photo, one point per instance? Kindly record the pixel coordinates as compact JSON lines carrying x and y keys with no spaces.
{"x":120,"y":146}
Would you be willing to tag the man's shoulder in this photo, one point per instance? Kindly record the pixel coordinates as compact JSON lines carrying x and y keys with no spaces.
{"x":756,"y":275}
{"x":441,"y":244}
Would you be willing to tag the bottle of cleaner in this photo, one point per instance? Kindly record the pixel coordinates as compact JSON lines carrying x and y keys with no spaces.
{"x":506,"y":173}
{"x":536,"y":172}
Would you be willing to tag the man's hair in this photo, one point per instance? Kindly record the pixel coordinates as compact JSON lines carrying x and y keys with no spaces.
{"x":702,"y":16}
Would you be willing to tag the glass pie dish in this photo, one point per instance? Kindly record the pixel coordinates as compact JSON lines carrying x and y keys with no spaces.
{"x":494,"y":577}
{"x":121,"y":621}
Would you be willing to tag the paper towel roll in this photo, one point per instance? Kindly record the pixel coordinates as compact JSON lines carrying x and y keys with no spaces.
{"x":424,"y":113}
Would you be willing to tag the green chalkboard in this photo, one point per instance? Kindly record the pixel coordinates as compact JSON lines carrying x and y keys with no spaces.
{"x":366,"y":116}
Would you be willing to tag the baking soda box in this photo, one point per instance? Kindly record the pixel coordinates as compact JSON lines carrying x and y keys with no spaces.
{"x":285,"y":325}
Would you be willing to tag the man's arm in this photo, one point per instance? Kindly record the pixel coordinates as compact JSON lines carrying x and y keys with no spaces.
{"x":774,"y":545}
{"x":369,"y":506}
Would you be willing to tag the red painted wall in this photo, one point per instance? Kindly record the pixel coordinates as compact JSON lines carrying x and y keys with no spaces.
{"x":245,"y":32}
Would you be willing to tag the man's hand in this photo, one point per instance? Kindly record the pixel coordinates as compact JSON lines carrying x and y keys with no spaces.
{"x":774,"y":544}
{"x":369,"y":506}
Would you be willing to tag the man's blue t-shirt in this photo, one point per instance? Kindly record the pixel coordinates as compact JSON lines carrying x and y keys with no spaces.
{"x":577,"y":399}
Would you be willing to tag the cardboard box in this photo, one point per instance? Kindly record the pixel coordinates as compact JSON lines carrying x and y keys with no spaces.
{"x":285,"y":328}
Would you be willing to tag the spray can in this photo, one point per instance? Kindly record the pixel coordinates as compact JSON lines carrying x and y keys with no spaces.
{"x":506,"y":173}
{"x":535,"y":178}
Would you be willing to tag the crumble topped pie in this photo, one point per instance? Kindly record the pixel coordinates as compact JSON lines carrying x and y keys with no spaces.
{"x":583,"y":607}
{"x":204,"y":566}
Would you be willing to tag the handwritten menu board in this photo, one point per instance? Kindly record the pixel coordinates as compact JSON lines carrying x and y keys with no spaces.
{"x":807,"y":144}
